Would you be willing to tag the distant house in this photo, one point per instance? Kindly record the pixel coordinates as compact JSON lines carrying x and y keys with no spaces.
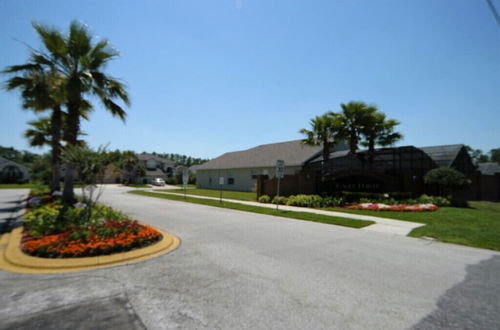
{"x":155,"y":167}
{"x":12,"y":172}
{"x":240,"y":169}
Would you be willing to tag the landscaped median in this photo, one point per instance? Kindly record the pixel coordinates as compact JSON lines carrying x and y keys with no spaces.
{"x":261,"y":210}
{"x":64,"y":237}
{"x":13,"y":259}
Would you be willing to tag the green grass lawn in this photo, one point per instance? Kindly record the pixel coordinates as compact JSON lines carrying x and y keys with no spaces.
{"x":16,"y":185}
{"x":477,"y":226}
{"x":261,"y":210}
{"x":229,"y":194}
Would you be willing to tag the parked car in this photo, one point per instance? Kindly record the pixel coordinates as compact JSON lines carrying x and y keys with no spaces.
{"x":158,"y":182}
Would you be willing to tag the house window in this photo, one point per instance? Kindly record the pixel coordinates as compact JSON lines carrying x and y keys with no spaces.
{"x":230,"y":181}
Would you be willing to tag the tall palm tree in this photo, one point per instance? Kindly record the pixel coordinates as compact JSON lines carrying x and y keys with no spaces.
{"x":40,"y":88}
{"x":80,"y":62}
{"x":379,"y":131}
{"x":324,"y":131}
{"x":355,"y":116}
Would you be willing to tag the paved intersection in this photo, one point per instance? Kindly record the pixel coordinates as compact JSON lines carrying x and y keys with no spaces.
{"x":244,"y":270}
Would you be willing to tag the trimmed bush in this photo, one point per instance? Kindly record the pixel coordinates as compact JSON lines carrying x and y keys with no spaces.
{"x":330,"y":201}
{"x":281,"y":200}
{"x":264,"y":199}
{"x":436,"y":200}
{"x":305,"y":201}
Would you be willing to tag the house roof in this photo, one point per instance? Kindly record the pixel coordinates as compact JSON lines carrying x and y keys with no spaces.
{"x":443,"y":155}
{"x":490,"y":168}
{"x":156,"y":173}
{"x":147,"y":156}
{"x":294,"y":153}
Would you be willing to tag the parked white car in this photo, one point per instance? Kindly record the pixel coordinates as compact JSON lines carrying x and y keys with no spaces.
{"x":158,"y":182}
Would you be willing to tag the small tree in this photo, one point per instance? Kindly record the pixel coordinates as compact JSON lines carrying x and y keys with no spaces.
{"x":446,"y":180}
{"x":89,"y":166}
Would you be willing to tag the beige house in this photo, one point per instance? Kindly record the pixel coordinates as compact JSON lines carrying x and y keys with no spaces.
{"x":155,"y":167}
{"x":239,"y":169}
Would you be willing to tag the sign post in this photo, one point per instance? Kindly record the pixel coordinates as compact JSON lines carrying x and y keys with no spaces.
{"x":185,"y":179}
{"x":280,"y":174}
{"x":221,"y":183}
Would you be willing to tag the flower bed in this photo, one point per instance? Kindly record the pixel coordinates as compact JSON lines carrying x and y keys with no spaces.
{"x":55,"y":230}
{"x":110,"y":237}
{"x":398,"y":207}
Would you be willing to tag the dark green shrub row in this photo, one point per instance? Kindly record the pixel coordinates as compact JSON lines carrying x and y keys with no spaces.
{"x":352,"y":198}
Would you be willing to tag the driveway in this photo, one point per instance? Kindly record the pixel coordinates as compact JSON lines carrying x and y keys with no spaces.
{"x":237,"y":270}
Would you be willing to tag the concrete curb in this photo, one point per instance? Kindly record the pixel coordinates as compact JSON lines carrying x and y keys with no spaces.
{"x":14,"y":260}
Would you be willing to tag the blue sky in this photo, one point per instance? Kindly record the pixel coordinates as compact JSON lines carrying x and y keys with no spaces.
{"x":206,"y":77}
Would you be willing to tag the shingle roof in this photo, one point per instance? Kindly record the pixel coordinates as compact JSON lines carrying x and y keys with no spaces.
{"x":443,"y":155}
{"x":294,"y":153}
{"x":489,"y":168}
{"x":146,"y":156}
{"x":157,"y":173}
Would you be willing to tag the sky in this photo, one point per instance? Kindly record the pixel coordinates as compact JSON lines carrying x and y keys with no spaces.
{"x":208,"y":77}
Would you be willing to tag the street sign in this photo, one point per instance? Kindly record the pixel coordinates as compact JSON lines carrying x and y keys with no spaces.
{"x":185,"y":176}
{"x":280,"y":169}
{"x":221,"y":180}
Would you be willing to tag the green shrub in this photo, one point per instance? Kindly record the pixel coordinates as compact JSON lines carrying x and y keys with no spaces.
{"x":281,"y":200}
{"x":331,"y":201}
{"x":446,"y":179}
{"x":305,"y":200}
{"x":43,"y":220}
{"x":436,"y":200}
{"x":264,"y":199}
{"x":103,"y":212}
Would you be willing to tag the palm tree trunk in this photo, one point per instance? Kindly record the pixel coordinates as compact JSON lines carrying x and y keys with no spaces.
{"x":326,"y":157}
{"x":56,"y":148}
{"x":71,"y":133}
{"x":371,"y":150}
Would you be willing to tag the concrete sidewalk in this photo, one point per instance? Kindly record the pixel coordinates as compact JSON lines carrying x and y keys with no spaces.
{"x":382,"y":225}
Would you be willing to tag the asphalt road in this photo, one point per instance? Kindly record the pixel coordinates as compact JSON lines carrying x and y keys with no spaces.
{"x":237,"y":270}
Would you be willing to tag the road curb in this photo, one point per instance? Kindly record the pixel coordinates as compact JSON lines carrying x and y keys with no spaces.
{"x":14,"y":260}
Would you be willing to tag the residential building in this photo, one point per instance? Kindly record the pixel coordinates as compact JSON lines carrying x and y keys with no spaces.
{"x":155,"y":167}
{"x":238,"y":170}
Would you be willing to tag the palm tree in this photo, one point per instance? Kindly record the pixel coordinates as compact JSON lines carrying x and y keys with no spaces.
{"x":324,"y":131}
{"x":355,"y":116}
{"x":41,"y":91}
{"x":80,"y":62}
{"x":379,"y":131}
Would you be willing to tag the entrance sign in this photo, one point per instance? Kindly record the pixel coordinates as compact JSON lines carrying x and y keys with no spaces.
{"x":280,"y":169}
